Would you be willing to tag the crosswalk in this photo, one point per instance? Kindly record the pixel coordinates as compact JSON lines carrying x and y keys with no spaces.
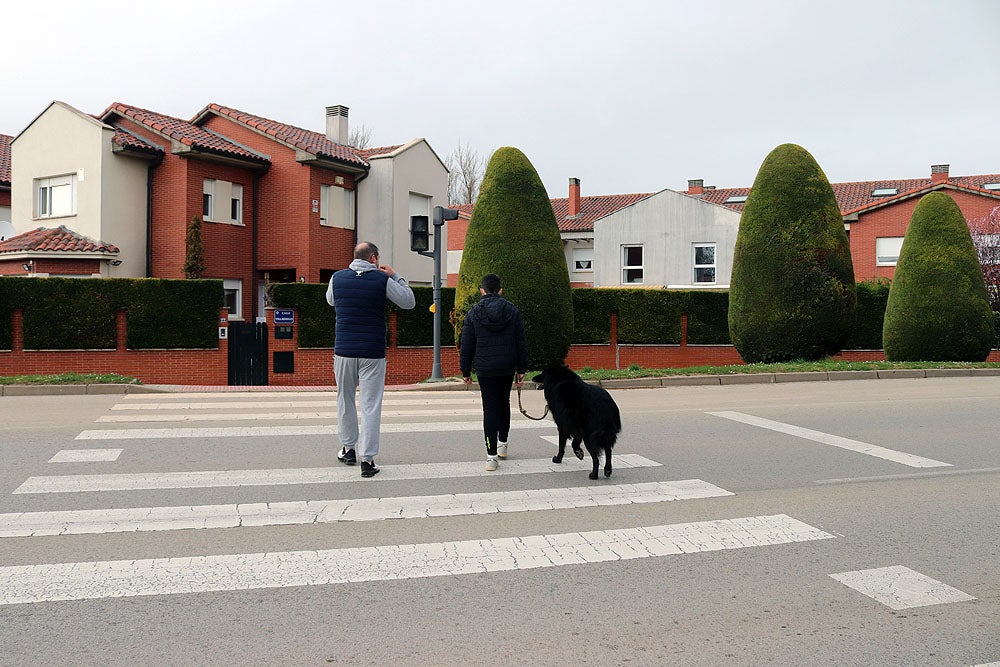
{"x":539,"y":486}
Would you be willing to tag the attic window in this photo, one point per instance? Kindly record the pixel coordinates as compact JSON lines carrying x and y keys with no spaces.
{"x":991,"y":186}
{"x":884,"y":192}
{"x":736,"y":199}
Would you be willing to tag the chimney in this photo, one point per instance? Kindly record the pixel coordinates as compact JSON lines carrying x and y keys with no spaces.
{"x":574,"y":197}
{"x":696,"y":186}
{"x":939,"y":173}
{"x":336,"y":124}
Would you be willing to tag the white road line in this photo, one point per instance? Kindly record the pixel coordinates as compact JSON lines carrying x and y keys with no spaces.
{"x":285,"y":431}
{"x":141,"y":519}
{"x":908,"y":475}
{"x":273,"y":416}
{"x":23,"y":584}
{"x":834,"y":440}
{"x":85,"y":455}
{"x":899,"y":587}
{"x":328,"y":403}
{"x":281,"y":477}
{"x":315,"y":395}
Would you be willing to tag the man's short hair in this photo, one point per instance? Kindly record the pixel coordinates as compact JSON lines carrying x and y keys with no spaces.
{"x":365,"y":250}
{"x":491,"y":283}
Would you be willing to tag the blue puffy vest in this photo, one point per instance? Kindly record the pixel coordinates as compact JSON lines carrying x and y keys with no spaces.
{"x":359,"y":302}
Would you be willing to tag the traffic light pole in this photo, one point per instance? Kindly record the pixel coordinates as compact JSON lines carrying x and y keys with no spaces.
{"x":441,"y":214}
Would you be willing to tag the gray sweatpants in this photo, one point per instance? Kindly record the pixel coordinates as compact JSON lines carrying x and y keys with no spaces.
{"x":369,"y":374}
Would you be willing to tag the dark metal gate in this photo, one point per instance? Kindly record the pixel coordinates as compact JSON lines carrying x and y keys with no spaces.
{"x":247,"y":353}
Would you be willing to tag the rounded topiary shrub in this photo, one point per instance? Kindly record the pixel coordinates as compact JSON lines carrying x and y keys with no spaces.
{"x":513,"y":233}
{"x":938,"y":308}
{"x":792,"y":292}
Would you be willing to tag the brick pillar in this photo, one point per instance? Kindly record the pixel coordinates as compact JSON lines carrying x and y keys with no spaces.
{"x":121,"y":330}
{"x":614,"y":337}
{"x":17,"y":331}
{"x":684,"y":330}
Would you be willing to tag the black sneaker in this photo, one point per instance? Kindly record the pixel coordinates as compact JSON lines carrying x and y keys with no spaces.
{"x":369,"y":469}
{"x":348,"y":456}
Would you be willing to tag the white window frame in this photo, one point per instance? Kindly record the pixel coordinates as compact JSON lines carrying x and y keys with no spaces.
{"x":583,"y":256}
{"x":626,"y":267}
{"x":696,"y":266}
{"x":887,"y":250}
{"x":208,"y":199}
{"x":45,"y":199}
{"x":234,"y":287}
{"x":336,"y":207}
{"x":236,"y":202}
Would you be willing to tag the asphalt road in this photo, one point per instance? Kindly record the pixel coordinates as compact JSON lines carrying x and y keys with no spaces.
{"x":831,"y":523}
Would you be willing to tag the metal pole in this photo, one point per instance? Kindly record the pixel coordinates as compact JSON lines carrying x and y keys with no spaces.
{"x":438,"y":225}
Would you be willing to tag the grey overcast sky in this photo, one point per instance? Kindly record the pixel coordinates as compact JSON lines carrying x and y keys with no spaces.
{"x":629,"y":96}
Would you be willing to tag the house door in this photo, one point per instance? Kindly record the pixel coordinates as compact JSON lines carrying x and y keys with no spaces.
{"x":247,"y":353}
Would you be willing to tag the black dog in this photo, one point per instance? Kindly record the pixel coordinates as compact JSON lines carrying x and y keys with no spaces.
{"x":581,"y":412}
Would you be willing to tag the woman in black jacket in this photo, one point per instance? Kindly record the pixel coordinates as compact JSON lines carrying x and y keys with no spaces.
{"x":494,"y":343}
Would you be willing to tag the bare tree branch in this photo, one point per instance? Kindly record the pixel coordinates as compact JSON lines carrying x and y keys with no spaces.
{"x":360,"y":137}
{"x":466,"y":167}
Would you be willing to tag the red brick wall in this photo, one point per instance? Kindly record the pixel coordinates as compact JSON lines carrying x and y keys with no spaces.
{"x":209,"y":367}
{"x":457,"y":230}
{"x":52,"y":265}
{"x":893,"y":221}
{"x":289,"y":234}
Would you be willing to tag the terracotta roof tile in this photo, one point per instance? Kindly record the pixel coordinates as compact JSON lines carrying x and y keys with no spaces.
{"x":591,"y":208}
{"x":5,"y":159}
{"x":182,"y":131}
{"x":126,"y":139}
{"x":858,"y":195}
{"x":307,"y":140}
{"x":54,"y":239}
{"x":366,"y":153}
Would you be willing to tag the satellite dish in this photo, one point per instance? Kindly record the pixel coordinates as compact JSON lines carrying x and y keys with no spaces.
{"x":6,"y":230}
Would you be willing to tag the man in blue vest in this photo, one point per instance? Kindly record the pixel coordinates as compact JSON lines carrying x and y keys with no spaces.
{"x":358,"y":295}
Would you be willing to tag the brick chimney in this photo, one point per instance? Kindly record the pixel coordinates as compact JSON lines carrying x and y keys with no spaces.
{"x":696,"y":186}
{"x":336,"y":124}
{"x":939,"y":173}
{"x":574,"y":197}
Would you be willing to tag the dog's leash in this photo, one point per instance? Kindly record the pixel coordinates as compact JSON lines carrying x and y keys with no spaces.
{"x":524,"y":412}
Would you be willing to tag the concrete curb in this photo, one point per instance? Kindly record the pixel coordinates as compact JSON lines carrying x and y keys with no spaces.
{"x":458,"y":385}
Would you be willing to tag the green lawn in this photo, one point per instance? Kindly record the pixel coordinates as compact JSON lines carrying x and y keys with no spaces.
{"x":69,"y":378}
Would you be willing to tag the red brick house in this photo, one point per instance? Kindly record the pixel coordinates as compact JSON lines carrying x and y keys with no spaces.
{"x":876,"y":213}
{"x":278,"y":203}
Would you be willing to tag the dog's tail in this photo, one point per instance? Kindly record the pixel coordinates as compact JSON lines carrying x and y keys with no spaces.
{"x":603,"y":439}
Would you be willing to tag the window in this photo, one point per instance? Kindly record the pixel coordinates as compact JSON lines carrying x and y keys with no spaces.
{"x":207,"y":196}
{"x":220,"y":192}
{"x":887,"y":250}
{"x":336,"y":207}
{"x":704,"y":262}
{"x":736,"y":199}
{"x":56,"y":196}
{"x":233,"y":297}
{"x":583,"y":259}
{"x":236,"y":203}
{"x":884,"y":192}
{"x":991,"y":186}
{"x":631,"y":264}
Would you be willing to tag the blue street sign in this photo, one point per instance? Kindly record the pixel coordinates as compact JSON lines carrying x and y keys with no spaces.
{"x":284,"y":316}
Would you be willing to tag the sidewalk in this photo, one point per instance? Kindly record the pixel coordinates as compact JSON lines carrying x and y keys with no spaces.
{"x":457,"y":385}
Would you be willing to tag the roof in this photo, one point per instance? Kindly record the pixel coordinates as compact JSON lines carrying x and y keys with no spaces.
{"x":591,"y":209}
{"x":307,"y":140}
{"x":182,"y":131}
{"x":134,"y":142}
{"x":852,"y":197}
{"x":54,"y":239}
{"x":5,"y":159}
{"x":367,"y":153}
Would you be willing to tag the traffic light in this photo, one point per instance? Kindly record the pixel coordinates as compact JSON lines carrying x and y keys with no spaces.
{"x":419,"y":233}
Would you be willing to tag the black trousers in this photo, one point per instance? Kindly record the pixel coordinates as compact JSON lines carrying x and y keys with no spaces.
{"x":496,"y":409}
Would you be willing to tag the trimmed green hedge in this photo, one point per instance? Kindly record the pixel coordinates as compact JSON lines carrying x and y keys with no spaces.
{"x":73,"y":314}
{"x":317,"y":321}
{"x":867,"y":331}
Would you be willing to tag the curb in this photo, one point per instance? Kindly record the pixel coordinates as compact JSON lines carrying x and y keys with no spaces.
{"x":453,"y":385}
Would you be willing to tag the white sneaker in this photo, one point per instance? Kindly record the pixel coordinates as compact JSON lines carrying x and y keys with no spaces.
{"x":491,"y":465}
{"x":502,"y":450}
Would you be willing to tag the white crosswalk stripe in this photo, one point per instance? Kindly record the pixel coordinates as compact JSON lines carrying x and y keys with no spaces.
{"x":273,"y":416}
{"x":140,"y":519}
{"x":166,"y":576}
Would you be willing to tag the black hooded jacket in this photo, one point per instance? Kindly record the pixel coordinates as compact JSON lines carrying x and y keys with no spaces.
{"x":493,"y":339}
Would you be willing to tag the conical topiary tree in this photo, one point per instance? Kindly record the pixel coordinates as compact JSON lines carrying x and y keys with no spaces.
{"x":513,"y":233}
{"x":194,"y":256}
{"x":938,"y":307}
{"x":792,"y":293}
